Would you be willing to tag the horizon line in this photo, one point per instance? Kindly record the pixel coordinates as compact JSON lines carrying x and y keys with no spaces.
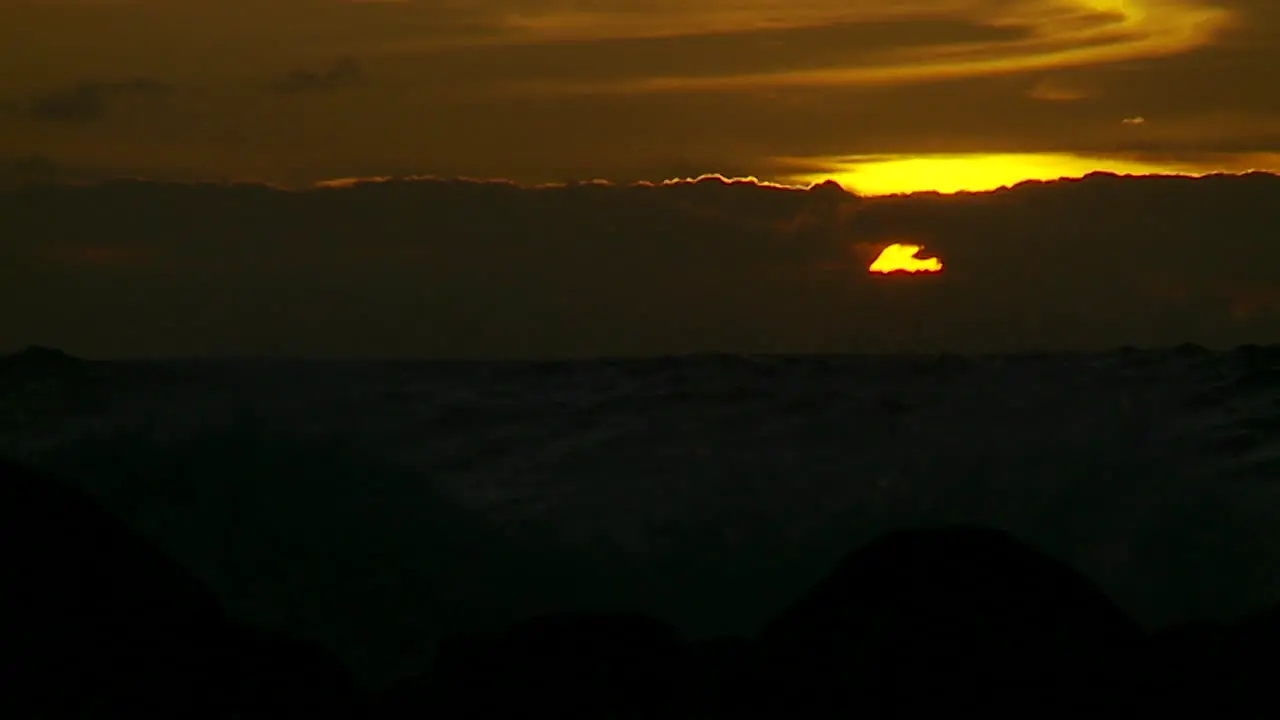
{"x":707,"y":354}
{"x":344,"y":183}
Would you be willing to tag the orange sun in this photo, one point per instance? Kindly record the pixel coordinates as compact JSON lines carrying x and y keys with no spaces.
{"x":901,"y":258}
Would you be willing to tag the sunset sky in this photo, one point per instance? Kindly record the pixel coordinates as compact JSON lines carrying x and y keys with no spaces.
{"x":881,"y":96}
{"x":555,"y":178}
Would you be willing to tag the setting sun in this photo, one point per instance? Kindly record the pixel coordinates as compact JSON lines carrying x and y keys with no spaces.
{"x":900,"y":257}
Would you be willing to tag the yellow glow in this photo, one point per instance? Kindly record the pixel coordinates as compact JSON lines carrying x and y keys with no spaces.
{"x":901,"y":257}
{"x":890,"y":175}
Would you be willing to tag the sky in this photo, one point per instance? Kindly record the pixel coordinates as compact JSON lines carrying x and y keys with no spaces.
{"x":882,"y":97}
{"x":556,"y":178}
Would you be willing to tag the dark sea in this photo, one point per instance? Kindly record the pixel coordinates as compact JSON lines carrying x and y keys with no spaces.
{"x":375,"y":506}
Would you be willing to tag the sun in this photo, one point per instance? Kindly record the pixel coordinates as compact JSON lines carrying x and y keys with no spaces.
{"x":901,"y":258}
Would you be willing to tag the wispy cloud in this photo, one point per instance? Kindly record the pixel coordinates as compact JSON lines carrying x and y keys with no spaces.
{"x":1050,"y":34}
{"x":545,"y":90}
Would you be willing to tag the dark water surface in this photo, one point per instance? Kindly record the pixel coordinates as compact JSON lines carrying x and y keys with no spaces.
{"x":377,"y":506}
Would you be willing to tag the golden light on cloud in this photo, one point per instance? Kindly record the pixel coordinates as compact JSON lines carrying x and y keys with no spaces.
{"x":1055,"y":34}
{"x":979,"y":172}
{"x":901,"y":258}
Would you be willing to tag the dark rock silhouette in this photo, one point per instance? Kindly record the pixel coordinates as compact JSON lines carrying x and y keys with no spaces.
{"x":569,"y":665}
{"x":917,"y":623}
{"x":98,"y":623}
{"x":1225,"y":669}
{"x":1185,"y":667}
{"x":724,"y":678}
{"x":950,"y":619}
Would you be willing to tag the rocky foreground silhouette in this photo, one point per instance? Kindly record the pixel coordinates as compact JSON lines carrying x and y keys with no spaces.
{"x":98,"y":623}
{"x":916,"y":623}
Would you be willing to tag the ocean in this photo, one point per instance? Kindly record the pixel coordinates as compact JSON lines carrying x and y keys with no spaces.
{"x":375,"y":506}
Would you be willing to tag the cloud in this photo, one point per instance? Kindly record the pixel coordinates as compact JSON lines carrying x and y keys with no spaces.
{"x":452,"y":268}
{"x":1034,"y":37}
{"x":712,"y":54}
{"x":90,"y":101}
{"x":457,"y":87}
{"x":344,"y":73}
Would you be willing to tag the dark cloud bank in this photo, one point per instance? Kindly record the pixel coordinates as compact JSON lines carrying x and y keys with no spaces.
{"x":461,"y":269}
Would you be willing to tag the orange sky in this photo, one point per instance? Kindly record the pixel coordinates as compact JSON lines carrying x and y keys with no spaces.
{"x":883,"y":97}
